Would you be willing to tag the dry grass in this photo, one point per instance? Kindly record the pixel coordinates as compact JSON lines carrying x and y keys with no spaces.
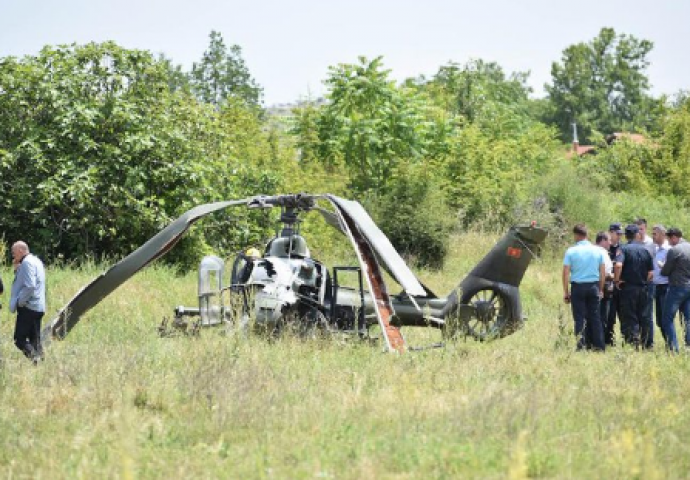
{"x":114,"y":400}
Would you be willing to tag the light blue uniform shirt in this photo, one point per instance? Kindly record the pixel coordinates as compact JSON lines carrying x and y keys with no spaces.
{"x":584,"y":260}
{"x":29,"y":286}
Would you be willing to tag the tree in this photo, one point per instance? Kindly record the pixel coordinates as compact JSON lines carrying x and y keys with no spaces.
{"x":370,"y":125}
{"x":675,"y":150}
{"x":386,"y":140}
{"x":305,"y":129}
{"x":97,"y":153}
{"x":602,"y":86}
{"x":480,"y":93}
{"x":178,"y":79}
{"x":472,"y":89}
{"x":222,"y":73}
{"x":415,"y":215}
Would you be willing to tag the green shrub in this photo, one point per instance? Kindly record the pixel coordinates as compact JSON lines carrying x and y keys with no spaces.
{"x":626,"y":166}
{"x":570,"y":195}
{"x":486,"y":176}
{"x":414,"y":215}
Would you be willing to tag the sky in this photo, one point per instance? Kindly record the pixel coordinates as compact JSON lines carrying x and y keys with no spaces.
{"x":289,"y":45}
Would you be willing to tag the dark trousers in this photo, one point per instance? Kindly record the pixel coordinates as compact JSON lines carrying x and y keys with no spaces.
{"x":634,"y":313}
{"x":27,"y":332}
{"x":659,"y":296}
{"x":649,"y":317}
{"x":604,"y":309}
{"x":610,"y":320}
{"x":584,"y":301}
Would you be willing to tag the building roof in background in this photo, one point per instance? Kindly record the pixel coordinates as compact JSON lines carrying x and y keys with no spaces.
{"x":633,"y":137}
{"x":612,"y":138}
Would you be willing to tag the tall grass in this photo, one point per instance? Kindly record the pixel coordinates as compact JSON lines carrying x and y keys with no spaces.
{"x":114,"y":400}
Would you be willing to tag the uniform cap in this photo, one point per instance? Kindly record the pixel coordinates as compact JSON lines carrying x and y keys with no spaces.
{"x":252,"y":253}
{"x":632,"y":229}
{"x":616,"y":227}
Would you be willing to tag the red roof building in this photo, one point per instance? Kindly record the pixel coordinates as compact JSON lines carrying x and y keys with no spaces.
{"x":581,"y":150}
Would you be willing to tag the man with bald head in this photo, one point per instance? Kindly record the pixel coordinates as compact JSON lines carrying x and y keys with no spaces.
{"x":28,"y":299}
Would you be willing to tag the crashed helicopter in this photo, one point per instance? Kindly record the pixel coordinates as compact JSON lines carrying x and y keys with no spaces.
{"x":285,"y":285}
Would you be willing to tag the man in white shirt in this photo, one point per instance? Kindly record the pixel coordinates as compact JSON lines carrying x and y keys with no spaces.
{"x":659,"y":282}
{"x":28,"y":300}
{"x":603,"y":241}
{"x":642,"y":225}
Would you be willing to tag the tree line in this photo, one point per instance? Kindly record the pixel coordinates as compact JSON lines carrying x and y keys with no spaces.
{"x":101,"y":146}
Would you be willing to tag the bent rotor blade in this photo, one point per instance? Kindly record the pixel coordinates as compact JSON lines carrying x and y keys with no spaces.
{"x":334,"y":221}
{"x":106,"y":283}
{"x":383,"y":307}
{"x":331,"y":219}
{"x":389,"y":256}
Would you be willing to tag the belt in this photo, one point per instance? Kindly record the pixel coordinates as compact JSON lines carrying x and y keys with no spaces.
{"x":29,"y":309}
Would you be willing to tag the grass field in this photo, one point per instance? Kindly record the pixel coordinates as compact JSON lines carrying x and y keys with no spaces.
{"x":115,"y":401}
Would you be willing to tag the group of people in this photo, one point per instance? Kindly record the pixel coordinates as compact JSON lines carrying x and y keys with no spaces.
{"x":27,"y":300}
{"x":630,"y":281}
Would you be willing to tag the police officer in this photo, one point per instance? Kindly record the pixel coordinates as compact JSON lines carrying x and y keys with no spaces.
{"x":583,"y":285}
{"x":615,"y":234}
{"x":633,"y":270}
{"x":648,"y":242}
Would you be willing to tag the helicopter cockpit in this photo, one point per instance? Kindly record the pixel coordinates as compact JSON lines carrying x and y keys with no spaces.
{"x":293,"y":246}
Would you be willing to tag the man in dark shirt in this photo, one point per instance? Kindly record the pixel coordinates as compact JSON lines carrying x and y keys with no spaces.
{"x":615,"y":233}
{"x":633,"y":271}
{"x":677,"y":269}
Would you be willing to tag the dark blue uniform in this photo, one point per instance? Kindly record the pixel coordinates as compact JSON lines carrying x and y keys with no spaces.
{"x":612,"y":304}
{"x":633,"y":296}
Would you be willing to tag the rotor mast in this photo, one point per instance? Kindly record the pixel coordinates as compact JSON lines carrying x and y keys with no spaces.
{"x":290,"y":206}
